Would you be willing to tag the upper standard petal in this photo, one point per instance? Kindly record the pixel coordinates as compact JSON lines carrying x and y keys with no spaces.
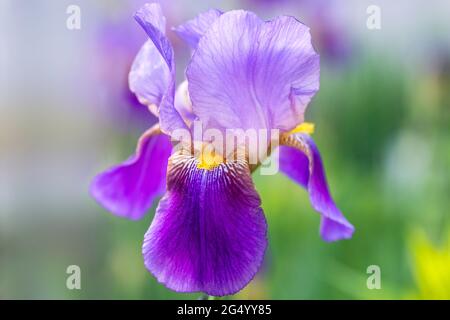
{"x":194,"y":29}
{"x":152,"y":76}
{"x":247,"y":73}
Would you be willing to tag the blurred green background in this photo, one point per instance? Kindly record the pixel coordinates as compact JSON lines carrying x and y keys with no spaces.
{"x":382,"y":124}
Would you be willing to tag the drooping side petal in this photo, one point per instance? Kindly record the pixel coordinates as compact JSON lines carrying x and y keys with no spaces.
{"x":151,"y":19}
{"x":300,"y":160}
{"x":295,"y":164}
{"x":194,"y":29}
{"x":128,"y":189}
{"x":152,"y":75}
{"x":247,"y":73}
{"x":209,"y":232}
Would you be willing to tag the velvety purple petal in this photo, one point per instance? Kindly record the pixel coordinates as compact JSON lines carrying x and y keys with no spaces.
{"x":209,"y":232}
{"x":128,"y":189}
{"x":247,"y":73}
{"x":295,"y":164}
{"x":194,"y":29}
{"x":152,"y":76}
{"x":303,"y":164}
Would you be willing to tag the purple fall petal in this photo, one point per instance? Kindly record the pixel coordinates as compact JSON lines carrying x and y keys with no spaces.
{"x":194,"y":29}
{"x":209,"y":232}
{"x":247,"y":73}
{"x":295,"y":164}
{"x":128,"y":189}
{"x":301,"y":162}
{"x":152,"y":76}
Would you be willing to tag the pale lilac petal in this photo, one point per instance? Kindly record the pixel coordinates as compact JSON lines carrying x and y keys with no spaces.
{"x":149,"y":76}
{"x":303,"y":164}
{"x":152,"y":76}
{"x":194,"y":29}
{"x":183,"y":103}
{"x":151,"y":19}
{"x":209,"y":231}
{"x":128,"y":189}
{"x":247,"y":73}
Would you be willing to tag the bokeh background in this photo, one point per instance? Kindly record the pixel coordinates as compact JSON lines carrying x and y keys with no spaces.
{"x":382,"y":123}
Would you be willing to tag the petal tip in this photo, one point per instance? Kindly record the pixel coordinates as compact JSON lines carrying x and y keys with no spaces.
{"x":332,"y":230}
{"x":109,"y":204}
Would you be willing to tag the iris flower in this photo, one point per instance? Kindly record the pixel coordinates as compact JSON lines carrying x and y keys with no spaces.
{"x":209,"y":233}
